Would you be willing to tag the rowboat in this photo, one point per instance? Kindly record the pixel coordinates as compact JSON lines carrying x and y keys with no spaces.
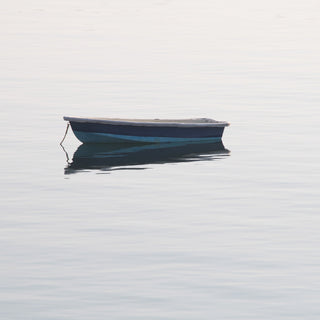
{"x":115,"y":130}
{"x":108,"y":157}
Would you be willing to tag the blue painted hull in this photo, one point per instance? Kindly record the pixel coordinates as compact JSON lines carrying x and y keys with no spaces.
{"x":91,"y":132}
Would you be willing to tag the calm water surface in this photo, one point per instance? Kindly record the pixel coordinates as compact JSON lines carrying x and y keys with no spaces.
{"x":209,"y":232}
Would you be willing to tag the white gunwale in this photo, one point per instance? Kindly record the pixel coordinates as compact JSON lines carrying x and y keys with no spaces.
{"x":200,"y":122}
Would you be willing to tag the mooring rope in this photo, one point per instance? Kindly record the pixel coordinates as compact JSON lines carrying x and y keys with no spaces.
{"x":68,"y":125}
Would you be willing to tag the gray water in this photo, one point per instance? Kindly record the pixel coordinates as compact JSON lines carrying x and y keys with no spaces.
{"x":229,"y":234}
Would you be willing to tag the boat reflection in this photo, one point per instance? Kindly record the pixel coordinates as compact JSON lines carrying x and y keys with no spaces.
{"x":108,"y":157}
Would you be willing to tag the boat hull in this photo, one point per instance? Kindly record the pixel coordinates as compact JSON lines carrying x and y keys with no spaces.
{"x":88,"y":132}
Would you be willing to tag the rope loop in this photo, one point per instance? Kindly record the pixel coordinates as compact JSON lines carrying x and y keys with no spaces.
{"x":68,"y":125}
